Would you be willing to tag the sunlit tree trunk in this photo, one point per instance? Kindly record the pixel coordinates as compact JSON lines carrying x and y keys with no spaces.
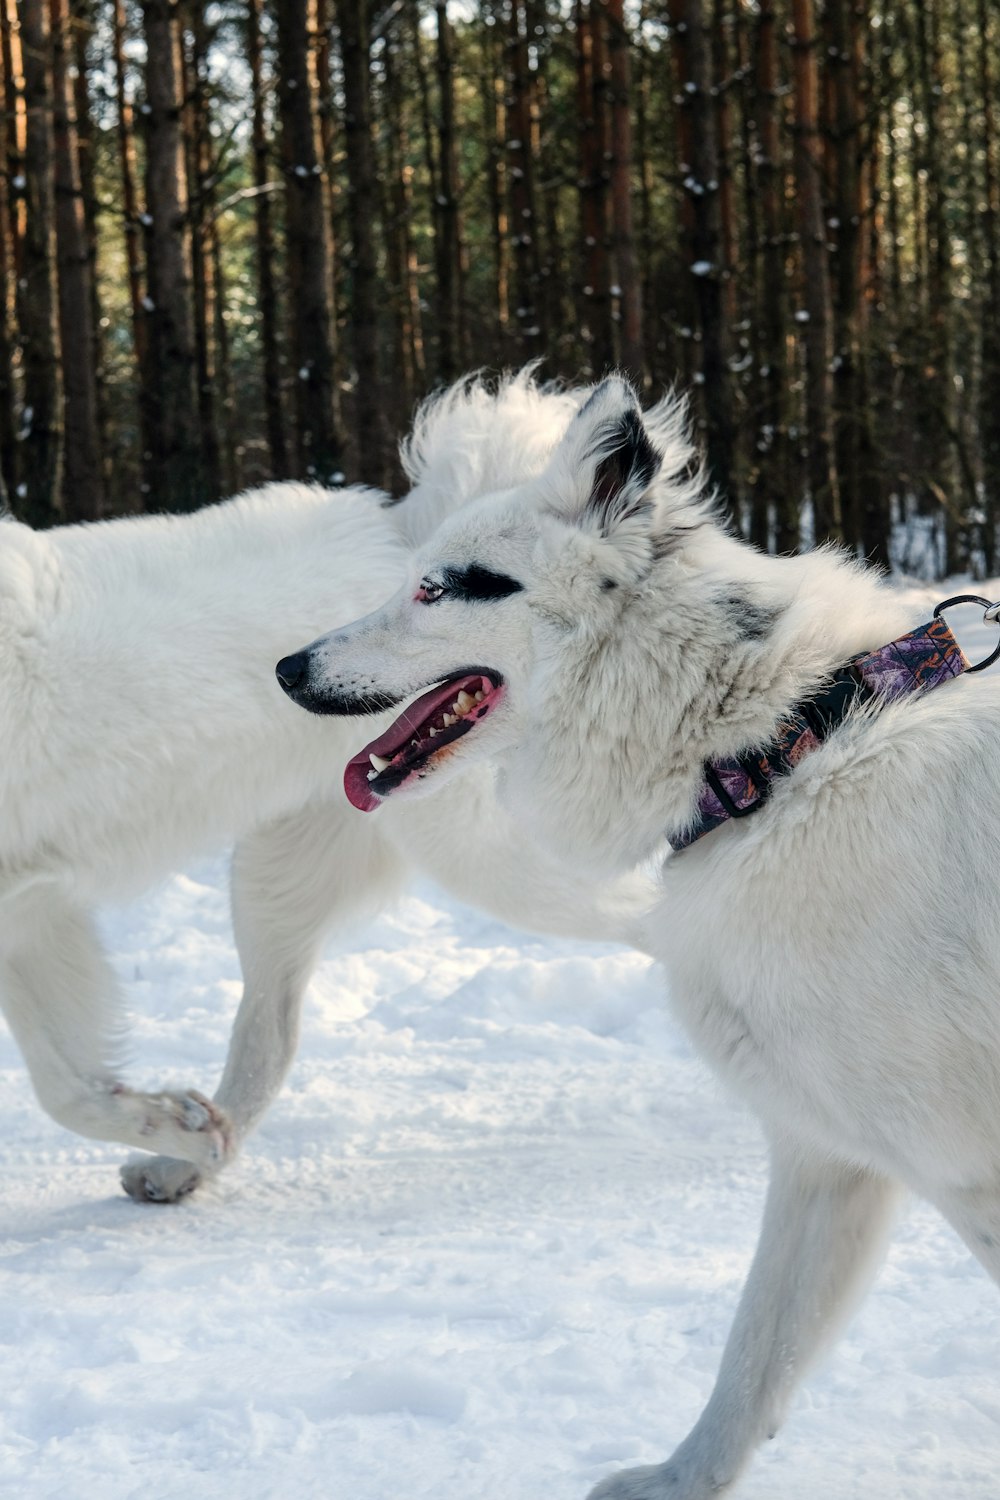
{"x":626,"y":264}
{"x":369,"y":404}
{"x":773,"y":480}
{"x":10,"y":238}
{"x":41,"y":419}
{"x":311,"y":333}
{"x":201,"y":202}
{"x":814,"y":311}
{"x":702,"y":187}
{"x":528,"y":310}
{"x":447,"y":244}
{"x":267,"y":283}
{"x":83,"y":478}
{"x":989,"y":403}
{"x":174,"y":474}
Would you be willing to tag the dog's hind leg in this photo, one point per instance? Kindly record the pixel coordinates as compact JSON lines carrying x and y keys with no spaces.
{"x":823,"y":1234}
{"x":292,"y":882}
{"x":60,"y":999}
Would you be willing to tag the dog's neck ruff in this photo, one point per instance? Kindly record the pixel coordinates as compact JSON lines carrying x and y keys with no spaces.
{"x":735,"y":786}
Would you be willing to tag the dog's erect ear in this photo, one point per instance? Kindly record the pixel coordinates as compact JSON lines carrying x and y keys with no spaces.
{"x":612,"y":451}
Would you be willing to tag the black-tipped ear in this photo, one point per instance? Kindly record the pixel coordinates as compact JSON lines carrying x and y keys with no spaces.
{"x":627,"y":464}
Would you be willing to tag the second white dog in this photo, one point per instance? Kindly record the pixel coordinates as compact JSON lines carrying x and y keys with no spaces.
{"x":141,"y":724}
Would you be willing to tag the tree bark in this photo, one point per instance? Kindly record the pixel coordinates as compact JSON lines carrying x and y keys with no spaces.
{"x":400,"y":252}
{"x":267,"y":283}
{"x":174,"y":473}
{"x":772,"y":485}
{"x":626,"y":265}
{"x":862,"y":516}
{"x":596,"y":327}
{"x":447,"y":242}
{"x":989,"y":401}
{"x":528,"y":311}
{"x":201,"y":196}
{"x":83,"y":476}
{"x":369,"y":404}
{"x":132,"y":231}
{"x":318,"y":442}
{"x":12,"y":99}
{"x":814,"y":314}
{"x":41,"y":429}
{"x":702,"y":187}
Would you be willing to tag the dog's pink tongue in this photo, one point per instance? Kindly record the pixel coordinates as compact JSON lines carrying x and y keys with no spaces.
{"x":398,"y":734}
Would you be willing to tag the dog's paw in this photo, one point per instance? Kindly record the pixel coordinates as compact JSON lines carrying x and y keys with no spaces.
{"x":184,"y":1125}
{"x":159,"y":1179}
{"x":657,"y":1482}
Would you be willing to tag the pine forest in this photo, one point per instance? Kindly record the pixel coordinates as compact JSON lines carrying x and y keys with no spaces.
{"x":240,"y":240}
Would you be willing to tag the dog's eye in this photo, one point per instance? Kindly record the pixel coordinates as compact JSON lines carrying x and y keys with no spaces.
{"x":429,"y":593}
{"x":476,"y":582}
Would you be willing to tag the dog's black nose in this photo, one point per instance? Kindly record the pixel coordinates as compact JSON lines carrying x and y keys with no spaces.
{"x":292,"y":670}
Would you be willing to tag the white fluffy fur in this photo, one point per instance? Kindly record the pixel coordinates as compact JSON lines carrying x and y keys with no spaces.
{"x":835,"y":957}
{"x":142,"y":724}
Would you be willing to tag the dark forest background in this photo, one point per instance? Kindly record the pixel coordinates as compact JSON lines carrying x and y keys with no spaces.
{"x":239,"y":240}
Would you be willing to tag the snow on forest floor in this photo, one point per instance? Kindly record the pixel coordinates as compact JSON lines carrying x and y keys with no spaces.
{"x":487,"y":1246}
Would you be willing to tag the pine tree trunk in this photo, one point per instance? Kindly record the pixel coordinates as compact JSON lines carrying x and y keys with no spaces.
{"x":174,"y":475}
{"x":596,"y":327}
{"x":447,"y":245}
{"x":528,"y":310}
{"x":495,"y":133}
{"x":9,"y":240}
{"x":307,"y":252}
{"x":41,"y":435}
{"x":83,"y":478}
{"x":939,"y":383}
{"x":400,"y":253}
{"x":267,"y":284}
{"x":702,"y":187}
{"x":125,"y":140}
{"x":82,"y":23}
{"x":864,"y":518}
{"x":369,"y":405}
{"x":626,"y":265}
{"x":989,"y":401}
{"x":773,"y":486}
{"x":815,"y":312}
{"x":198,"y":153}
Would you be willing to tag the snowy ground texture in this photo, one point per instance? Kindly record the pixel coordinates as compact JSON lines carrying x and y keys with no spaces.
{"x":486,"y":1247}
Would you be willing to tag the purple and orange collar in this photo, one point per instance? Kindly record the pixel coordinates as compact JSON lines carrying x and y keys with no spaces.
{"x":736,"y":786}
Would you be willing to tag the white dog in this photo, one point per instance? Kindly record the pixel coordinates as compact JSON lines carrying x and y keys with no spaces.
{"x":142,"y":724}
{"x":836,"y":955}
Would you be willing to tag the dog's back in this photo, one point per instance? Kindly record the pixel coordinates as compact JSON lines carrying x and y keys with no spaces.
{"x":137,"y":653}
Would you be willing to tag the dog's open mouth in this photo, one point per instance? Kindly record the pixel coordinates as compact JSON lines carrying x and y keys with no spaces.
{"x":424,"y":732}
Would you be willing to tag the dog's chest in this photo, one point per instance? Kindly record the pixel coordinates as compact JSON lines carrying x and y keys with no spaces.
{"x":823,"y":1038}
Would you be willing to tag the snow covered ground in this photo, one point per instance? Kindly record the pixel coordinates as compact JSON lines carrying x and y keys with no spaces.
{"x":486,"y":1247}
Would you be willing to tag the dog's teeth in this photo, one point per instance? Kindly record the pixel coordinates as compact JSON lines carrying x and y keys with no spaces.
{"x":372,"y":775}
{"x":479,"y":697}
{"x":449,"y":720}
{"x":379,"y":763}
{"x":434,"y":731}
{"x":464,"y":701}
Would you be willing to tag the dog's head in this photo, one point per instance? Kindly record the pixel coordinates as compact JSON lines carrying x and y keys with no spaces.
{"x":515,"y":610}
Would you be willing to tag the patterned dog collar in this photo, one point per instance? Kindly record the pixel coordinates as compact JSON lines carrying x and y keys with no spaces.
{"x":736,"y":786}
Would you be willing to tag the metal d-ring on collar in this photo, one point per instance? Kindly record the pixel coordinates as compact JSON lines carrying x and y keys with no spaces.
{"x":990,"y":617}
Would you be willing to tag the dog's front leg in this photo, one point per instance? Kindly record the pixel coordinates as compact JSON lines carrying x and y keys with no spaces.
{"x":292,"y":882}
{"x":61,"y":1001}
{"x":822,"y":1237}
